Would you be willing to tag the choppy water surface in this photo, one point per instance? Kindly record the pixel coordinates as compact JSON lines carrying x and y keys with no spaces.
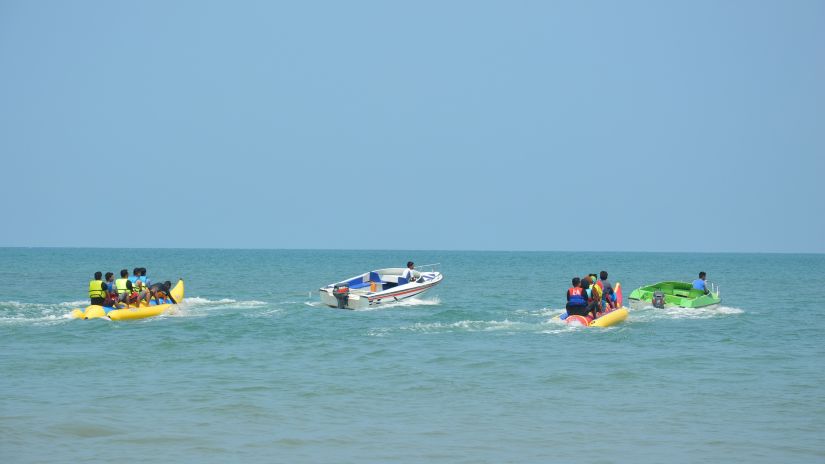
{"x":251,"y":368}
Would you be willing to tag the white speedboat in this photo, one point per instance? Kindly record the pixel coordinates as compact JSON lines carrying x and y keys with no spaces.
{"x":378,"y":287}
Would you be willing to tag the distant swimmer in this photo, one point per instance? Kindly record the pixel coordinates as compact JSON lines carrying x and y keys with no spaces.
{"x":700,"y":283}
{"x":97,"y":289}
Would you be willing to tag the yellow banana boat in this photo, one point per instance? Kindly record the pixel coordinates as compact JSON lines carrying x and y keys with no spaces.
{"x":606,"y":319}
{"x":131,"y":312}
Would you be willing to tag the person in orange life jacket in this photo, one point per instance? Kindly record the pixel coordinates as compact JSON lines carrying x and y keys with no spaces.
{"x":577,"y":300}
{"x":123,"y":286}
{"x":97,"y":290}
{"x":608,"y":295}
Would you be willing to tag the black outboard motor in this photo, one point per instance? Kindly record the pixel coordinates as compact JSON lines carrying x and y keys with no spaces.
{"x":342,"y":295}
{"x":658,"y":300}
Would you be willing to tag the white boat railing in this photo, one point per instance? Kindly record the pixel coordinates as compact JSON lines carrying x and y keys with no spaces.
{"x":714,"y":288}
{"x":428,"y":267}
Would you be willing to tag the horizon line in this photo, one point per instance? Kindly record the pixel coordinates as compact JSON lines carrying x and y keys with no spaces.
{"x":409,"y":250}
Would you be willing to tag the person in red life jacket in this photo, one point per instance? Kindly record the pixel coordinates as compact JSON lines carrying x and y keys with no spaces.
{"x":577,"y":303}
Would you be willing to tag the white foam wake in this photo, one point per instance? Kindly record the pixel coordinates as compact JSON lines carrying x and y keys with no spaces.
{"x":651,"y":313}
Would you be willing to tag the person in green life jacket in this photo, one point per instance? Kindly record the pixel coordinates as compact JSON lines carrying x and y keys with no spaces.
{"x":97,"y":290}
{"x":123,"y":286}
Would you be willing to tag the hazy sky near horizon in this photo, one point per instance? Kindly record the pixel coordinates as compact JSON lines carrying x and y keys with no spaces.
{"x":501,"y":125}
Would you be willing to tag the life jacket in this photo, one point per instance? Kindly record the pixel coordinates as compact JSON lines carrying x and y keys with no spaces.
{"x":576,"y":297}
{"x":95,"y":290}
{"x":120,"y":284}
{"x":598,"y":290}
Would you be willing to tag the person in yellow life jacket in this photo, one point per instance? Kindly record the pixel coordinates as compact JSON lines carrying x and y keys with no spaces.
{"x":123,"y":286}
{"x":97,"y":289}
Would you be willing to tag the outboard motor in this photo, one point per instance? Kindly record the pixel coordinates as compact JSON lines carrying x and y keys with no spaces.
{"x":658,"y":300}
{"x":342,"y":295}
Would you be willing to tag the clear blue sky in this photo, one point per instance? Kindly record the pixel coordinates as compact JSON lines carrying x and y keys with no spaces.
{"x":509,"y":125}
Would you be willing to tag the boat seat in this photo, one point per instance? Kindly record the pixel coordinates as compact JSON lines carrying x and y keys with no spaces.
{"x":682,"y":293}
{"x":361,"y":285}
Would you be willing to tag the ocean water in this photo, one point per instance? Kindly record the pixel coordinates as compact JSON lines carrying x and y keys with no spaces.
{"x":251,"y":368}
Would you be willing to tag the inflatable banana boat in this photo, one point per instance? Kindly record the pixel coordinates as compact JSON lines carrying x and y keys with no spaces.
{"x":606,"y":319}
{"x":132,"y":312}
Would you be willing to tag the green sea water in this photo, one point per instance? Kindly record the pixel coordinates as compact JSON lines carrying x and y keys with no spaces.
{"x":251,"y":368}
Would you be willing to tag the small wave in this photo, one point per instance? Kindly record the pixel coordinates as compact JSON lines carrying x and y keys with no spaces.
{"x":413,"y":301}
{"x":651,"y":313}
{"x":470,"y":326}
{"x":198,"y":301}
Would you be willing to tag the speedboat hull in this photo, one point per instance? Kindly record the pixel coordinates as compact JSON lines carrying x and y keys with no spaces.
{"x":378,"y":287}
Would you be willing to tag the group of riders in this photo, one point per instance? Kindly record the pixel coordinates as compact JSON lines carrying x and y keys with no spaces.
{"x":127,"y":290}
{"x":591,"y":296}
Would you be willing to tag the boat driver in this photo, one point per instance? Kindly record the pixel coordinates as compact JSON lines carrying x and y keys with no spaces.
{"x":408,"y":273}
{"x":700,"y":284}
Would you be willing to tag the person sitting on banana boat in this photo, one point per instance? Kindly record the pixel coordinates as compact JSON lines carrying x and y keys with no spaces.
{"x":138,"y":286}
{"x":594,"y":304}
{"x":97,"y":289}
{"x":161,"y":291}
{"x":606,"y":290}
{"x":577,"y":301}
{"x":111,"y":290}
{"x":123,"y":286}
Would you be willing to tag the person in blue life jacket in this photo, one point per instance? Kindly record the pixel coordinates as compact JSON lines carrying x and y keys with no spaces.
{"x":111,"y":290}
{"x":123,"y":287}
{"x":138,"y":285}
{"x":700,"y":283}
{"x":577,"y":303}
{"x":143,"y":278}
{"x":97,"y":289}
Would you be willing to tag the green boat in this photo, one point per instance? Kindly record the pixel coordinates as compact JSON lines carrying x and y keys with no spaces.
{"x":674,"y":295}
